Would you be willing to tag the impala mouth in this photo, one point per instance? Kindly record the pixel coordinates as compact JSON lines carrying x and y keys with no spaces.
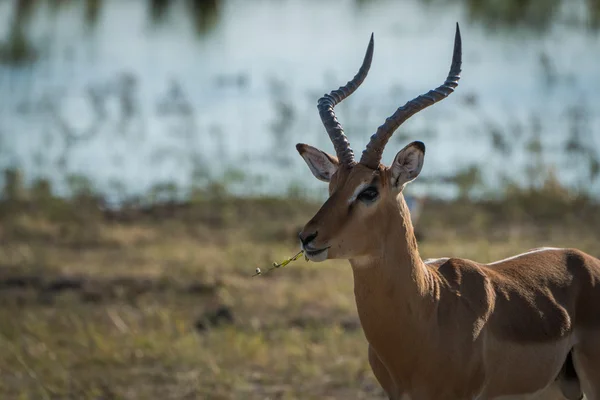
{"x":316,"y":255}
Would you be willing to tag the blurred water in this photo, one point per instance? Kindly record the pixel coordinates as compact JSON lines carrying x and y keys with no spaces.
{"x":132,"y":94}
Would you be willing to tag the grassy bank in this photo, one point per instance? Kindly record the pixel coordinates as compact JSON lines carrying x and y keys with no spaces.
{"x":158,"y":303}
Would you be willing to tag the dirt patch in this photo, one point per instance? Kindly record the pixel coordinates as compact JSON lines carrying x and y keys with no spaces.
{"x":36,"y":289}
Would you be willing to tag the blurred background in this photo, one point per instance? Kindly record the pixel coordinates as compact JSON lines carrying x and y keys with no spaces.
{"x":148,"y":167}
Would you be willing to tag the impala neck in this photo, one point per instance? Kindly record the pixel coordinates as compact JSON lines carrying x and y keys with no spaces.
{"x":394,"y":273}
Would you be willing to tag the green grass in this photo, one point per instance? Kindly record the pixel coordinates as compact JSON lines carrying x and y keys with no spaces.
{"x":159,"y":304}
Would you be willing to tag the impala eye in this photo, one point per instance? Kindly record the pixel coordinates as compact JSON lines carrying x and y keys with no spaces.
{"x":368,"y":195}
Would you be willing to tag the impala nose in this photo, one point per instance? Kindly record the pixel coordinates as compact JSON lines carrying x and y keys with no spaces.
{"x":306,"y":238}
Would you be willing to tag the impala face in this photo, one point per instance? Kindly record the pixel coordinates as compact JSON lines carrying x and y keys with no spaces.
{"x":359,"y":199}
{"x":361,"y":194}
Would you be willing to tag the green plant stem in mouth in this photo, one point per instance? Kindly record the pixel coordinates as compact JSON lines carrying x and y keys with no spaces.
{"x":281,"y":264}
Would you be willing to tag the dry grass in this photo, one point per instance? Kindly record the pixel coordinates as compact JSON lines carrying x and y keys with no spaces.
{"x":160,"y":304}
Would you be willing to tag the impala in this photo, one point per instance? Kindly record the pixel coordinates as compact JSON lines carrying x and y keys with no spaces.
{"x":450,"y":328}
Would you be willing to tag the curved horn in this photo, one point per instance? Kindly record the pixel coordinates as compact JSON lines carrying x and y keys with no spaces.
{"x":372,"y":154}
{"x":328,"y":101}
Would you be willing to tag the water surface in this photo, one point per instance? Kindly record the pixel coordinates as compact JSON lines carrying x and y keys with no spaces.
{"x":134,"y":94}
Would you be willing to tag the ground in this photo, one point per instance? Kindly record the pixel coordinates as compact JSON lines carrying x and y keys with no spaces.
{"x":159,"y":303}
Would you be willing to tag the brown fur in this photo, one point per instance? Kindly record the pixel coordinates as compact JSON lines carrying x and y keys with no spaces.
{"x":455,"y":328}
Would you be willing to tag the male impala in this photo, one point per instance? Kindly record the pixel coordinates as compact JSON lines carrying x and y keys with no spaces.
{"x":448,"y":328}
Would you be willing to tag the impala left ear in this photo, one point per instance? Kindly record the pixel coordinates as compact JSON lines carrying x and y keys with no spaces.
{"x":407,"y":164}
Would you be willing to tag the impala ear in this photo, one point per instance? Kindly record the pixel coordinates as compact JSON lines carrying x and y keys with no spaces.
{"x":407,"y":164}
{"x":321,"y":164}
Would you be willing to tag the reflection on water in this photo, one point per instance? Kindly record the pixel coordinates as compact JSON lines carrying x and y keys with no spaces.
{"x":135,"y":94}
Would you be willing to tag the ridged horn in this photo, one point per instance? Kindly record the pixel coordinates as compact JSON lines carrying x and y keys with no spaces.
{"x":371,"y":156}
{"x":327,"y":102}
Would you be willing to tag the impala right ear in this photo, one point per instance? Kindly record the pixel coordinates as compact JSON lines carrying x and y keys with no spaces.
{"x":321,"y":164}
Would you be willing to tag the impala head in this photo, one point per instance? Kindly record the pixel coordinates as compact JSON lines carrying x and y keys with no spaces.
{"x":362,"y":195}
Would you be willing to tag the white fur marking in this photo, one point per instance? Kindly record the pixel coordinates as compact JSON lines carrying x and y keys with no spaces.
{"x":434,"y":260}
{"x":357,"y":191}
{"x":541,"y":249}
